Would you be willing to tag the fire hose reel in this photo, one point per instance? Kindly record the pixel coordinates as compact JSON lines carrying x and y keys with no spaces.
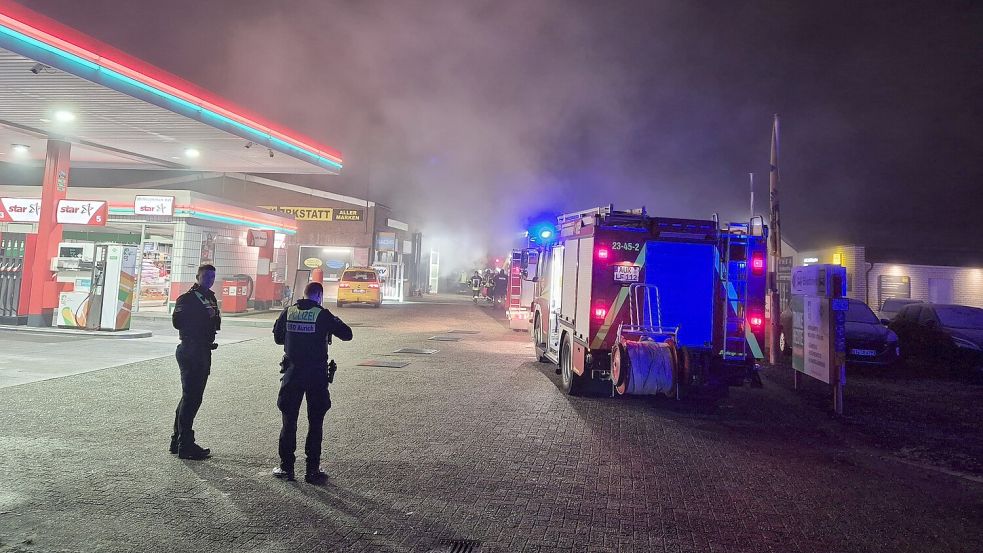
{"x":645,"y":367}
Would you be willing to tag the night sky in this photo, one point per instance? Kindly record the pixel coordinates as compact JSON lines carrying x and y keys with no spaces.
{"x":471,"y":115}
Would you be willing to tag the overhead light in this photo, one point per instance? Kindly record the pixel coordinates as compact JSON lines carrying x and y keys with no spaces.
{"x":20,"y":148}
{"x":249,"y":145}
{"x":192,"y":153}
{"x":37,"y":68}
{"x":64,"y":116}
{"x":271,"y":153}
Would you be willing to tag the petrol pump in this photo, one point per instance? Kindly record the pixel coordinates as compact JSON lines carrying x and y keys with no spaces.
{"x":103,"y":280}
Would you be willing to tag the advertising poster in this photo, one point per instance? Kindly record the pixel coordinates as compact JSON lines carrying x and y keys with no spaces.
{"x":208,"y":247}
{"x":331,"y":260}
{"x":816,"y":352}
{"x":798,"y":334}
{"x":127,"y":287}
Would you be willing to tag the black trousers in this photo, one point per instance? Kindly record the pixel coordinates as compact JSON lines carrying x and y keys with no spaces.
{"x":195,"y":362}
{"x":292,"y":392}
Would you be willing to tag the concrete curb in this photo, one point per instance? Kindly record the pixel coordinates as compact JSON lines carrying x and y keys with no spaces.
{"x":118,"y":335}
{"x":237,"y":319}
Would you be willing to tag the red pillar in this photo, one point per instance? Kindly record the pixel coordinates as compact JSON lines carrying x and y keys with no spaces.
{"x":54,"y":187}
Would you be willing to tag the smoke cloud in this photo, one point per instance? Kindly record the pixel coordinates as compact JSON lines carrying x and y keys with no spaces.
{"x":468,"y":116}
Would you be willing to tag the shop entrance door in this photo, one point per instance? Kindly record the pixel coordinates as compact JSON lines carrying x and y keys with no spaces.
{"x":155,"y":273}
{"x":392,"y":283}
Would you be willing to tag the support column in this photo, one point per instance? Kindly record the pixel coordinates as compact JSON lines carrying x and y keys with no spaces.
{"x":54,"y":187}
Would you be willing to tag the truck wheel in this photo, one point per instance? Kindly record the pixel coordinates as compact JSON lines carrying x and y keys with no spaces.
{"x":572,"y":382}
{"x":539,"y":341}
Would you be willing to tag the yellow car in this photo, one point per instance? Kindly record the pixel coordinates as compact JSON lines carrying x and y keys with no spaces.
{"x":360,"y":285}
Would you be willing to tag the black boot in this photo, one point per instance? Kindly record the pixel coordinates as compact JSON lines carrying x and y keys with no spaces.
{"x":193,"y":452}
{"x":173,"y":448}
{"x":315,"y":475}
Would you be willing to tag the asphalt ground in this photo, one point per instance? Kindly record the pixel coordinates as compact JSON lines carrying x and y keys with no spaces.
{"x":476,"y":443}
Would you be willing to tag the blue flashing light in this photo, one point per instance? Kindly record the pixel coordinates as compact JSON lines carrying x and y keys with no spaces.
{"x":542,"y":232}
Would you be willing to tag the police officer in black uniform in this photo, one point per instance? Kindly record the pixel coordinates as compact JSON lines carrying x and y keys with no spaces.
{"x":197,"y":318}
{"x":305,"y":330}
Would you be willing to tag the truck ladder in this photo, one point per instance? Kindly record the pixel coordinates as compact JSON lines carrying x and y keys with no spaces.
{"x":734,"y":279}
{"x":515,"y":282}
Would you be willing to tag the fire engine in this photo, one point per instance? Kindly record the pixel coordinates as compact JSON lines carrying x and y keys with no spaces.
{"x":649,"y":305}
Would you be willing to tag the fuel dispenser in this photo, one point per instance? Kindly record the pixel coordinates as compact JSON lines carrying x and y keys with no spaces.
{"x":103,"y":295}
{"x":12,"y":249}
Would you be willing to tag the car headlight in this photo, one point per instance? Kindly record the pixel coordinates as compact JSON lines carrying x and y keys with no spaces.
{"x":962,"y":343}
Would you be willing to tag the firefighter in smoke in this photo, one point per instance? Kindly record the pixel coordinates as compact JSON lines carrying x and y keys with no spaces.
{"x":475,"y":286}
{"x":305,"y":330}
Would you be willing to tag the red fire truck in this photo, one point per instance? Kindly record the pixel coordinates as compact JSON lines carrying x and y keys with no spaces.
{"x":651,"y":305}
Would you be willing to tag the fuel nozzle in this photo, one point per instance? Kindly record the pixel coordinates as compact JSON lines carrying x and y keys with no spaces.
{"x":332,"y":367}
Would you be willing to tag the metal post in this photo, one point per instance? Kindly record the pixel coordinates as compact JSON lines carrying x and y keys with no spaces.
{"x":139,"y":283}
{"x":776,"y":247}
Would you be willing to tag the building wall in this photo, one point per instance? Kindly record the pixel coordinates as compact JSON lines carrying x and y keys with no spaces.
{"x":967,"y":283}
{"x":231,"y":255}
{"x":853,"y":257}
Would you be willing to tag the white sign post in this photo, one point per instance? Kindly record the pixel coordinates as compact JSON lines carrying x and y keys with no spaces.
{"x":818,"y":327}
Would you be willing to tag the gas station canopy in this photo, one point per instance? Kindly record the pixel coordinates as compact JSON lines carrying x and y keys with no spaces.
{"x":119,"y":112}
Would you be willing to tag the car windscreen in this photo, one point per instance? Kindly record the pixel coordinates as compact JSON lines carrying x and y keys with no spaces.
{"x":958,"y":316}
{"x":359,"y":276}
{"x":860,"y":313}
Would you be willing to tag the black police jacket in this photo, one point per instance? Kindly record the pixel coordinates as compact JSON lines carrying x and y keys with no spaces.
{"x":304,"y":329}
{"x":196,"y":315}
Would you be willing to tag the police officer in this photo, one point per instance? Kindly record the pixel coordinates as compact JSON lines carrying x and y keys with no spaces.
{"x":197,"y":318}
{"x":305,"y":330}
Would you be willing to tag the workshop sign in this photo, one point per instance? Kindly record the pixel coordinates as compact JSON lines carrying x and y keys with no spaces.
{"x":81,"y":212}
{"x":893,"y":286}
{"x":348,"y":215}
{"x":20,"y":210}
{"x":318,"y":214}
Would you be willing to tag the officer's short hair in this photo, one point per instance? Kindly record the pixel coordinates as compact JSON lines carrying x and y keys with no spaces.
{"x":205,"y":267}
{"x":313,"y":288}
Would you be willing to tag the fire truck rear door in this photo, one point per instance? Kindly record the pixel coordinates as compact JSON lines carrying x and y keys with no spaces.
{"x":684,"y":275}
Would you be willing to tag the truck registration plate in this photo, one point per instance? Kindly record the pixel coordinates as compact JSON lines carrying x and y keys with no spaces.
{"x":627,"y":273}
